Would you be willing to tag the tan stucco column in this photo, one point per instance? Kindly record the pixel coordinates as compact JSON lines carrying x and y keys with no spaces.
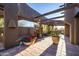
{"x":76,"y":31}
{"x":40,"y":27}
{"x":10,"y":25}
{"x":67,"y":30}
{"x":48,"y":28}
{"x":41,"y":30}
{"x":72,"y":33}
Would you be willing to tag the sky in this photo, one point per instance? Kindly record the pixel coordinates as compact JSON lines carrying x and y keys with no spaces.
{"x":43,"y":8}
{"x":46,"y":7}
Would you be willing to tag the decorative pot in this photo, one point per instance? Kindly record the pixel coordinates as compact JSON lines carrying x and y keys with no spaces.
{"x":55,"y":39}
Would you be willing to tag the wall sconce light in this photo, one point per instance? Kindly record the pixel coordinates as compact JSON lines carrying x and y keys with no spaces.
{"x":12,"y":24}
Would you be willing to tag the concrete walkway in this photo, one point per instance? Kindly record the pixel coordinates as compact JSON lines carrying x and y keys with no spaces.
{"x":71,"y":50}
{"x":44,"y":47}
{"x":1,"y":46}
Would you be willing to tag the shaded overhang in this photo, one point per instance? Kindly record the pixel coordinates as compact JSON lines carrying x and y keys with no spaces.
{"x":23,"y":7}
{"x":28,"y":13}
{"x":55,"y":22}
{"x":52,"y":21}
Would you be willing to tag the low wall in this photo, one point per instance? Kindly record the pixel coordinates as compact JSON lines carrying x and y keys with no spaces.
{"x":26,"y":31}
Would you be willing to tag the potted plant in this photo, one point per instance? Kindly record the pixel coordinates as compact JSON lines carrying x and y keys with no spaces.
{"x":55,"y":37}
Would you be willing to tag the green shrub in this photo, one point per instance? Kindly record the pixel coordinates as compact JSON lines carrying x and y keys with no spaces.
{"x":55,"y":33}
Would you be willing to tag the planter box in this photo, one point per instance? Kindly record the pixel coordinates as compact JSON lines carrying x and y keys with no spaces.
{"x":29,"y":41}
{"x":55,"y":39}
{"x":33,"y":41}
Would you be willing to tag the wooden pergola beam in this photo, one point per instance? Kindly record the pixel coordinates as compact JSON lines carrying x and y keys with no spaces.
{"x":52,"y":18}
{"x":57,"y":22}
{"x":53,"y":22}
{"x":57,"y":17}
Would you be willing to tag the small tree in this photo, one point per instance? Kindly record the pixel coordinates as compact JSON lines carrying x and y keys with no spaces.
{"x":55,"y":32}
{"x":1,"y":23}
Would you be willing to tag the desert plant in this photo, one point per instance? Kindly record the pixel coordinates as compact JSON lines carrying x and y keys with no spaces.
{"x":55,"y":33}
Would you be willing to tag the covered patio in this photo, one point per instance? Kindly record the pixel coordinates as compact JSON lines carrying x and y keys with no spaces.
{"x":42,"y":44}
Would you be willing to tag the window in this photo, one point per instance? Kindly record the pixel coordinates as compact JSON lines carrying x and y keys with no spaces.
{"x":25,"y":23}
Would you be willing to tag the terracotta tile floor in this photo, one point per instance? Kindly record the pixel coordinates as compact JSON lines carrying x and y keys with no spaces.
{"x":44,"y":47}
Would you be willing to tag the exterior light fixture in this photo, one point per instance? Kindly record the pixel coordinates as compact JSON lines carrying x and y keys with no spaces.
{"x":12,"y":24}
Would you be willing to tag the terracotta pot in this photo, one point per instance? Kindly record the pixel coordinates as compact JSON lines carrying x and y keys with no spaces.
{"x":55,"y":39}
